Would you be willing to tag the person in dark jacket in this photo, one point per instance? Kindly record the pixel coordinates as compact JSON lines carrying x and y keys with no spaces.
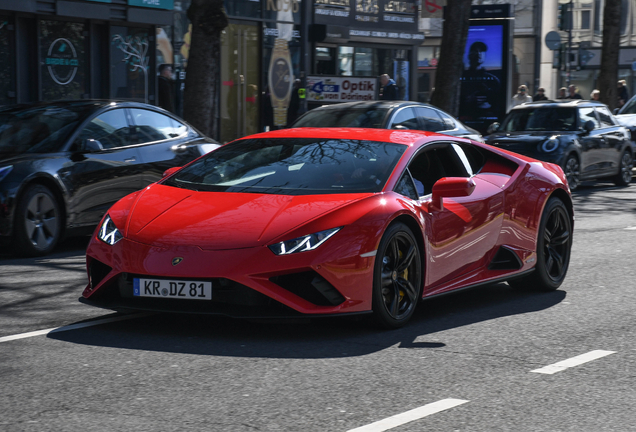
{"x":540,"y":96}
{"x":623,"y":94}
{"x":166,"y":88}
{"x":390,"y":90}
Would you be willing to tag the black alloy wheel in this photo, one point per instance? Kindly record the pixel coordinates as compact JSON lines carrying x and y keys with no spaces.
{"x":38,"y":223}
{"x":398,"y":278}
{"x":624,"y":176}
{"x":554,"y":244}
{"x":571,"y":168}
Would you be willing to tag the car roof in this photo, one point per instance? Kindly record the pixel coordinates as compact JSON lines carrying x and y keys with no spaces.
{"x":78,"y":103}
{"x":372,"y":104}
{"x":561,"y":103}
{"x":407,"y":137}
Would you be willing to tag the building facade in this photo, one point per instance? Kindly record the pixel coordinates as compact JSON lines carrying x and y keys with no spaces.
{"x":60,"y":49}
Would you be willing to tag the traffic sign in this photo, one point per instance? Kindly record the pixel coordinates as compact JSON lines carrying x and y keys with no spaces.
{"x":553,"y":40}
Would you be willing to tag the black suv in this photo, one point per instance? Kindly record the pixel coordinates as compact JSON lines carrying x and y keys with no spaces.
{"x":583,"y":137}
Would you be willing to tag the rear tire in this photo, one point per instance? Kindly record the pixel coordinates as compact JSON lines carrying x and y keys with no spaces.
{"x":554,"y":244}
{"x":397,"y":277}
{"x":624,"y":176}
{"x":38,"y":222}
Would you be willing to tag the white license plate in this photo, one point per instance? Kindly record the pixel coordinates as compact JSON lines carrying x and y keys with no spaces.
{"x":193,"y":290}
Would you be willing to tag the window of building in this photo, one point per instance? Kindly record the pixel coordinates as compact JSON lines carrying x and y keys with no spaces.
{"x":62,"y":60}
{"x":585,"y":19}
{"x":130,"y":63}
{"x":7,"y":52}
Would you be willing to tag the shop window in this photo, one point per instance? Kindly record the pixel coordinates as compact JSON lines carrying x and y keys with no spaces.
{"x":325,"y":61}
{"x":363,"y":62}
{"x":345,"y":61}
{"x":130,"y":63}
{"x":63,"y":60}
{"x":7,"y":52}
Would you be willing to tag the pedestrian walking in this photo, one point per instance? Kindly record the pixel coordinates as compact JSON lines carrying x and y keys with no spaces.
{"x":573,"y":94}
{"x":595,"y":95}
{"x":540,"y":96}
{"x":623,"y":94}
{"x":390,"y":90}
{"x":562,"y":93}
{"x":522,"y":96}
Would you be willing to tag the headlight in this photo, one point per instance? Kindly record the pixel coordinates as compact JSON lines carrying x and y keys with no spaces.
{"x":108,"y":232}
{"x":4,"y":171}
{"x":302,"y":244}
{"x":550,"y":145}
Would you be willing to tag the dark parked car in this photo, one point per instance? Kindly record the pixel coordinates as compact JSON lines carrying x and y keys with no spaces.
{"x":583,"y":137}
{"x":626,"y":116}
{"x":387,"y":115}
{"x":63,"y":164}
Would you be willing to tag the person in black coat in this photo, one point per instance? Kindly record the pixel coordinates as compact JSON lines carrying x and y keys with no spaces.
{"x":540,"y":96}
{"x":390,"y":90}
{"x":166,"y":88}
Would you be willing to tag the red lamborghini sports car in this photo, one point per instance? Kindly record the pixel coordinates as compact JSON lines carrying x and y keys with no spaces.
{"x":314,"y":222}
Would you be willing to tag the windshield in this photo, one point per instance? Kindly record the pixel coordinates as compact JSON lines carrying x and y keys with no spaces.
{"x":298,"y":166}
{"x":371,"y":117}
{"x":540,"y":119}
{"x":630,"y":107}
{"x":37,"y":130}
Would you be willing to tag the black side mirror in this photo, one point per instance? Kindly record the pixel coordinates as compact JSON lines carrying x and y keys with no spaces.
{"x":588,"y":126}
{"x":494,"y":127}
{"x":616,"y":110}
{"x":92,"y":145}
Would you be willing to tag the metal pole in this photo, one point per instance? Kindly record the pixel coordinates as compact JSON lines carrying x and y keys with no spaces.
{"x":570,"y":23}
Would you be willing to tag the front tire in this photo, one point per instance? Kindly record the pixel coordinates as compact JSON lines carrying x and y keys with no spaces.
{"x":397,"y":280}
{"x":38,"y":222}
{"x":554,"y":245}
{"x":624,"y":176}
{"x":572,"y":171}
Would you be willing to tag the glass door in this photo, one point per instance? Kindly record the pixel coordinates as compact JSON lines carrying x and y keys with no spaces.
{"x":239,"y":106}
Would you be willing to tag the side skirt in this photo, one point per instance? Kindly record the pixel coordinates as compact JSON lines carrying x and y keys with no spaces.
{"x":480,"y":284}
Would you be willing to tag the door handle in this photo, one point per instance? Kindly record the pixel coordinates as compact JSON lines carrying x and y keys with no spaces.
{"x":129,"y":160}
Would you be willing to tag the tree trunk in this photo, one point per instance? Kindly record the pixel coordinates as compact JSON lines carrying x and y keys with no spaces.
{"x":200,"y":106}
{"x":608,"y":78}
{"x":451,"y":65}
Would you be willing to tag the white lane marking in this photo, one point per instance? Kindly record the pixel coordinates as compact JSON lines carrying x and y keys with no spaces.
{"x":574,"y":361}
{"x":631,"y":228}
{"x":72,"y":327}
{"x":409,"y":416}
{"x":369,"y":254}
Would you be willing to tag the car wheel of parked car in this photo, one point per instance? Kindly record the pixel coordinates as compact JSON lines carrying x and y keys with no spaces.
{"x":571,"y":168}
{"x":554,"y":244}
{"x":624,"y":176}
{"x":38,"y":222}
{"x":397,"y":277}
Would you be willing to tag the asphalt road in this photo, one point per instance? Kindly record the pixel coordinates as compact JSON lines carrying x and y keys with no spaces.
{"x":465,"y":363}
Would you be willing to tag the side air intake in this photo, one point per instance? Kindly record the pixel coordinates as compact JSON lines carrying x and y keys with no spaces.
{"x":310,"y":286}
{"x":505,"y":259}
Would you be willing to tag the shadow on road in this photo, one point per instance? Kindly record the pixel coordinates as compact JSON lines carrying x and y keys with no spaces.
{"x":324,"y":338}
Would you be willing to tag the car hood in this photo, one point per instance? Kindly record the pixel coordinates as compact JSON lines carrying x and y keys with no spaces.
{"x":627,"y":120}
{"x":167,"y":216}
{"x":519,"y":141}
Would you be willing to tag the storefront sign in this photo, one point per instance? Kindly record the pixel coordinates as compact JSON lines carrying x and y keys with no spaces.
{"x":61,"y":61}
{"x":340,"y":34}
{"x":368,"y":14}
{"x":340,"y":89}
{"x":158,"y":4}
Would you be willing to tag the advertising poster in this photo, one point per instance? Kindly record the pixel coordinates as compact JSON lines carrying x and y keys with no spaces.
{"x":482,"y":99}
{"x":340,"y":89}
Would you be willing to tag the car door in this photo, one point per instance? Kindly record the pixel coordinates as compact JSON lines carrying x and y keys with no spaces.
{"x":459,"y":236}
{"x":104,"y":167}
{"x":162,"y":143}
{"x":614,"y":141}
{"x":592,"y":144}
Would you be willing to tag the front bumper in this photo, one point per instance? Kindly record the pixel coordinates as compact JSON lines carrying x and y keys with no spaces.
{"x":252,"y":282}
